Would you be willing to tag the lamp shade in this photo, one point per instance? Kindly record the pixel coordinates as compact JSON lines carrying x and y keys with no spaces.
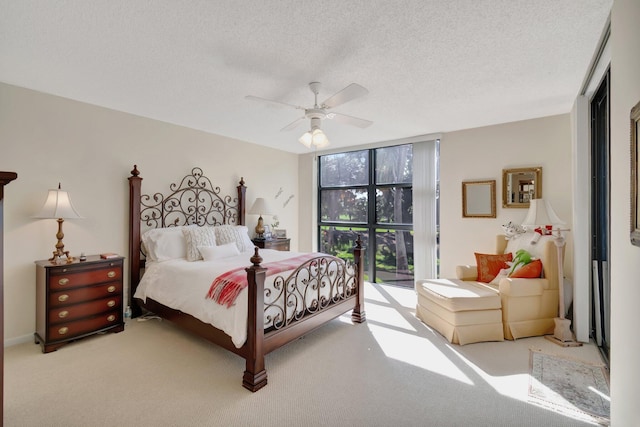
{"x":260,"y":207}
{"x":58,"y":205}
{"x":541,"y":213}
{"x":306,"y":139}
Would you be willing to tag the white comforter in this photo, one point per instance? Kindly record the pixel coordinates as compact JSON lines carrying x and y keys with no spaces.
{"x":183,"y":285}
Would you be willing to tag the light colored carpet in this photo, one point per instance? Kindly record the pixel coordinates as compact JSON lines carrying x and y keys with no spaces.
{"x":391,"y":370}
{"x":570,"y":386}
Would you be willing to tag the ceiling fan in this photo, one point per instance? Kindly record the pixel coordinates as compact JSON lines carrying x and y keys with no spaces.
{"x":319,"y":112}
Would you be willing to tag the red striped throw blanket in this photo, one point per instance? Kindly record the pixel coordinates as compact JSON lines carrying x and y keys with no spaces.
{"x":225,"y":288}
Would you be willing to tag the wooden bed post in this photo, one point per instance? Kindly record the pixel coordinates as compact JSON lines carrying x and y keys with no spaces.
{"x":135,"y":184}
{"x":242,"y":190}
{"x":255,"y":375}
{"x":5,"y":178}
{"x":358,"y":314}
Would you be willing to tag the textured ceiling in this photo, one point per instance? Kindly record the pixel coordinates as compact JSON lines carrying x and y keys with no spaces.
{"x":430,"y":65}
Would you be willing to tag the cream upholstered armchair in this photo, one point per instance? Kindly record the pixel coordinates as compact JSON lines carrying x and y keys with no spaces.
{"x":528,"y":305}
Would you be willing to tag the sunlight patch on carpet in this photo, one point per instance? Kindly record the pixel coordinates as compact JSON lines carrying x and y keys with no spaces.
{"x":572,"y":387}
{"x":424,"y":354}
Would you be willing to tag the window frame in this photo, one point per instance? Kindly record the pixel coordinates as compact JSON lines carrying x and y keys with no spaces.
{"x":372,"y":225}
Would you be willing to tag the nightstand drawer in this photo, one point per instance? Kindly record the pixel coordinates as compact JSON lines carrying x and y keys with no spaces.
{"x":57,"y":299}
{"x":79,"y":327}
{"x":73,"y":312}
{"x":61,"y":279}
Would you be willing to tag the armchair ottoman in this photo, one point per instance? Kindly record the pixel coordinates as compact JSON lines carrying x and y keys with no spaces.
{"x":463,"y":312}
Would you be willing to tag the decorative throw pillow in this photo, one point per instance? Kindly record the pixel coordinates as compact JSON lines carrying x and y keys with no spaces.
{"x":211,"y":253}
{"x":532,"y":270}
{"x":234,"y":233}
{"x":489,"y":265}
{"x":198,"y":236}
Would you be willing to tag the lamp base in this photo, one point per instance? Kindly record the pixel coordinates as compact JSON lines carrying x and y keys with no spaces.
{"x":562,"y":334}
{"x":59,"y":259}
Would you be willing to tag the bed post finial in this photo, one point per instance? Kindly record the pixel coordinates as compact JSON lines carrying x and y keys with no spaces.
{"x":135,"y":171}
{"x":256,"y":259}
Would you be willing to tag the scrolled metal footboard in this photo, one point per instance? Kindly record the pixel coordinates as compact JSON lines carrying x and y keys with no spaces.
{"x":312,"y":287}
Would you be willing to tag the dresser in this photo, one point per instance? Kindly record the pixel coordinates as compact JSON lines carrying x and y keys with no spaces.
{"x":77,"y":299}
{"x":277,"y":244}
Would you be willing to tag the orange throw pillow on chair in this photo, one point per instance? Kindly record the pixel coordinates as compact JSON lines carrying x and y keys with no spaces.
{"x":489,"y":265}
{"x":533,"y":270}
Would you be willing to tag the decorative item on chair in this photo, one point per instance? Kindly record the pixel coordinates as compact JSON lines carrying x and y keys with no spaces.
{"x":260,"y":207}
{"x":58,"y":206}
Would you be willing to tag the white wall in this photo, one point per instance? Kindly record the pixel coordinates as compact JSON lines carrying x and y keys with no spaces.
{"x":90,"y":150}
{"x":625,"y":258}
{"x":482,"y":154}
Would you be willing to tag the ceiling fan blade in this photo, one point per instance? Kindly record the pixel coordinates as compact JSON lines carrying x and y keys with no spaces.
{"x":293,"y":124}
{"x":350,"y":120}
{"x":271,"y":101}
{"x":347,"y":94}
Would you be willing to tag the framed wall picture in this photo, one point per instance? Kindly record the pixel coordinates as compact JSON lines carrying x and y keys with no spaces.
{"x":479,"y":199}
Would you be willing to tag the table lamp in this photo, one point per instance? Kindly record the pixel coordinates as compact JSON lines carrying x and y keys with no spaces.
{"x":260,"y":207}
{"x":58,"y":206}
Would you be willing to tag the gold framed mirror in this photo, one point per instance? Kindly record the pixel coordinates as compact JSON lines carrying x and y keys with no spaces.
{"x":479,"y":199}
{"x":635,"y":180}
{"x":521,"y":185}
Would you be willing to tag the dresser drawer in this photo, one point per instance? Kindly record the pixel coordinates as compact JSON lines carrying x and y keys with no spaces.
{"x":72,"y":329}
{"x":73,"y":296}
{"x":64,"y":279}
{"x":73,"y":312}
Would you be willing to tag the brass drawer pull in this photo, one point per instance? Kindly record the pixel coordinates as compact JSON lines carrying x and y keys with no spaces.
{"x":111,"y":288}
{"x":63,"y":297}
{"x":111,"y":303}
{"x":63,"y":330}
{"x":63,"y":281}
{"x":111,"y":274}
{"x":111,"y":318}
{"x":63,"y":314}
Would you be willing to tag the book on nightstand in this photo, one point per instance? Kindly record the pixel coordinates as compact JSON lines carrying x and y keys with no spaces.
{"x":108,"y":255}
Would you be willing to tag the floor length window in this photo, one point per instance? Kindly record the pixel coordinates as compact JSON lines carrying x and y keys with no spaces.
{"x":370,"y":193}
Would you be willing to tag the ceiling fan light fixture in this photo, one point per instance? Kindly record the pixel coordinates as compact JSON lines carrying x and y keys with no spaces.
{"x":306,"y":139}
{"x":319,"y":139}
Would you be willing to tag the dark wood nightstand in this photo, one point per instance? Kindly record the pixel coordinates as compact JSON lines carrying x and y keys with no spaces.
{"x":277,"y":244}
{"x":76,"y":300}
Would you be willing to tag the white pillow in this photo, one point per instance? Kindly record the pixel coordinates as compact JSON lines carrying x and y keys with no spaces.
{"x":524,"y":241}
{"x":163,"y":244}
{"x":198,"y":236}
{"x":501,"y":275}
{"x":234,"y":233}
{"x":211,"y":253}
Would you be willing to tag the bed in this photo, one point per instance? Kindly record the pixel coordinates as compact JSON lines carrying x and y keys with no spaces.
{"x":272,"y":310}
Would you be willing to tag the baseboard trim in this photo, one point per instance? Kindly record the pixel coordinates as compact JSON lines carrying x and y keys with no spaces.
{"x":18,"y":340}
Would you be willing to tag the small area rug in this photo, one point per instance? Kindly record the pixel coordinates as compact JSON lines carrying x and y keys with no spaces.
{"x":572,"y":387}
